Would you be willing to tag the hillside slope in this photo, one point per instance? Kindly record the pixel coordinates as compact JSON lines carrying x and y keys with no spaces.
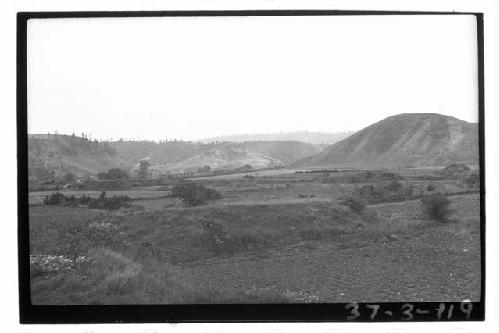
{"x":182,"y":155}
{"x":404,"y":140}
{"x":158,"y":153}
{"x":257,"y":154}
{"x":60,"y":154}
{"x":316,"y":138}
{"x":56,"y":155}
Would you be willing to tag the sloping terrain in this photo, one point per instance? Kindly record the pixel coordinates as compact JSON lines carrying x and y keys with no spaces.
{"x":158,"y":153}
{"x":227,"y":156}
{"x":182,"y":155}
{"x":285,"y":151}
{"x":404,"y":140}
{"x":317,"y":138}
{"x":57,"y":154}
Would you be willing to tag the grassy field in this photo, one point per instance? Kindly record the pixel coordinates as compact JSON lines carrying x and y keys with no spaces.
{"x":273,"y":238}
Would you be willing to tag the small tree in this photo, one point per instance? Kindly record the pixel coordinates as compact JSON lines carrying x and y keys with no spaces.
{"x":116,"y":173}
{"x":437,"y":207}
{"x":394,"y":186}
{"x":102,"y":176}
{"x":194,"y":194}
{"x":102,"y":196}
{"x":204,"y":169}
{"x":354,"y":204}
{"x":69,"y":177}
{"x":143,"y":168}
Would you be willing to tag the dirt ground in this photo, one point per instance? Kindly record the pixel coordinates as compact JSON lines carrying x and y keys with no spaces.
{"x":420,"y":263}
{"x":283,"y":238}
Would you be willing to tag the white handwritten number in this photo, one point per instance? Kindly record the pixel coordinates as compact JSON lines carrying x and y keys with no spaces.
{"x":354,"y":311}
{"x":440,"y":310}
{"x":466,"y":307}
{"x":408,"y":312}
{"x":375,"y":308}
{"x":450,"y":311}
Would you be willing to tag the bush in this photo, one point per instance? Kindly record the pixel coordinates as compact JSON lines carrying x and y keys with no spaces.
{"x":392,"y":191}
{"x":394,"y":186}
{"x":430,"y":187}
{"x":354,"y":204}
{"x":54,"y":199}
{"x":112,"y":174}
{"x":116,"y":202}
{"x":455,"y":170}
{"x":437,"y":207}
{"x":111,"y":203}
{"x":194,"y":194}
{"x":471,"y":180}
{"x":116,"y":173}
{"x":69,"y":178}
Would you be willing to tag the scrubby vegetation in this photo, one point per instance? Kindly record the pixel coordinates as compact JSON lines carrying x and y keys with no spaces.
{"x":392,"y":191}
{"x":317,"y":171}
{"x":354,"y":204}
{"x":112,"y":174}
{"x":471,"y":180}
{"x":194,"y":194}
{"x":103,"y":202}
{"x":455,"y":170}
{"x":240,"y":249}
{"x":369,"y":176}
{"x":437,"y":207}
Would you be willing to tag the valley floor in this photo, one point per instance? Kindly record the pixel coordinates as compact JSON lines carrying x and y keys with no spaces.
{"x":281,"y":238}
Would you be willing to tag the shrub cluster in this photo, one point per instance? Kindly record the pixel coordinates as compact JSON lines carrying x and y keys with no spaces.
{"x":112,"y":174}
{"x":318,"y":171}
{"x":455,"y":171}
{"x":437,"y":207}
{"x":75,"y":240}
{"x":354,"y":204}
{"x":116,"y":202}
{"x":369,"y":176}
{"x":194,"y":194}
{"x":218,"y":241}
{"x":392,"y":191}
{"x":471,"y":180}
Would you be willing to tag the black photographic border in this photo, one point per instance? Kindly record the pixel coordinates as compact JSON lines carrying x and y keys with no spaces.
{"x":318,"y":312}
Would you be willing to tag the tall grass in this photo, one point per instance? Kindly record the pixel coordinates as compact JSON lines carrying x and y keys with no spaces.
{"x":113,"y":278}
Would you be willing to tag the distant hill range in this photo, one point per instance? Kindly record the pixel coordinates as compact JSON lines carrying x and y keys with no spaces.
{"x":55,"y":155}
{"x":188,"y":156}
{"x":420,"y":139}
{"x":404,"y":140}
{"x":316,"y":138}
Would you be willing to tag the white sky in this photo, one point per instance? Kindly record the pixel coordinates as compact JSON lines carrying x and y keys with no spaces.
{"x":191,"y":78}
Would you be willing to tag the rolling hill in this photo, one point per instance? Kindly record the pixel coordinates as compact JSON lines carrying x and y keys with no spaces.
{"x":58,"y":154}
{"x":55,"y":155}
{"x":187,"y":156}
{"x":316,"y":138}
{"x":418,"y":139}
{"x":257,"y":154}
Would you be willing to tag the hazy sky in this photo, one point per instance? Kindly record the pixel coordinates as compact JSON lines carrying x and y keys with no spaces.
{"x":190,"y":78}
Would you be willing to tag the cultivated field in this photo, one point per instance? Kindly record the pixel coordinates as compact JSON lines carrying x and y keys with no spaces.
{"x":276,"y":236}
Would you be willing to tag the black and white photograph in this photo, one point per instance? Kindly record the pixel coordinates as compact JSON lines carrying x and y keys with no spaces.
{"x":256,"y":158}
